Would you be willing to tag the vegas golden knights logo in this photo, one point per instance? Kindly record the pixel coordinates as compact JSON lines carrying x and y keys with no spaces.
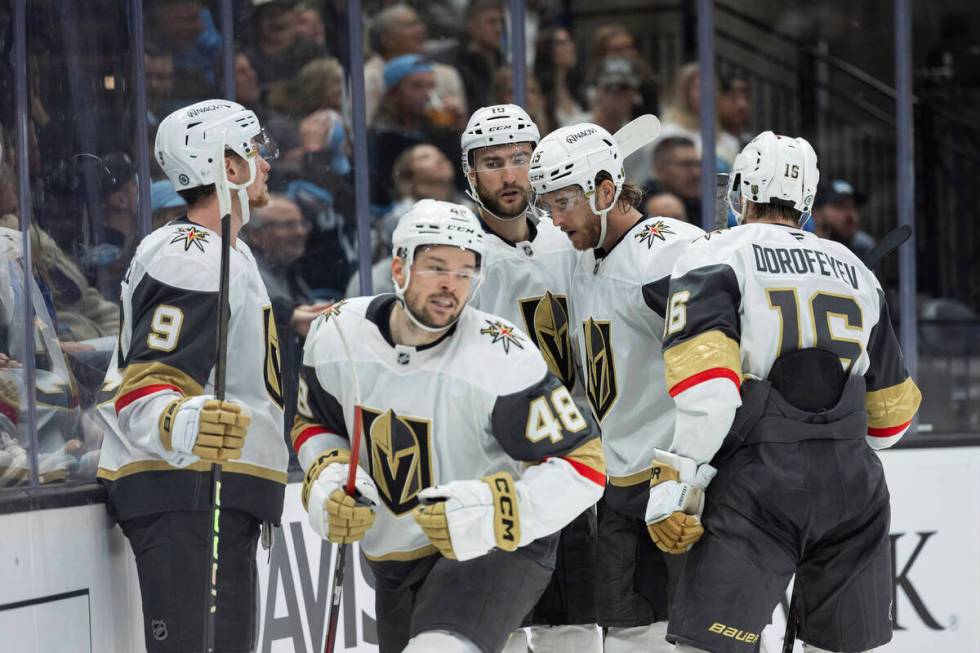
{"x":546,"y":320}
{"x":399,"y":452}
{"x":272,"y":370}
{"x":599,"y":366}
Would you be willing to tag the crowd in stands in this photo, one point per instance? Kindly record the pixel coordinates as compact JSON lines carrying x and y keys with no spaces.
{"x":428,"y":65}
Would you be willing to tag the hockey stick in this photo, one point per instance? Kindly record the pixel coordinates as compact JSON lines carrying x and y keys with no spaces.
{"x":792,"y":622}
{"x":220,"y":373}
{"x":637,"y":133}
{"x":888,"y":244}
{"x":341,"y":560}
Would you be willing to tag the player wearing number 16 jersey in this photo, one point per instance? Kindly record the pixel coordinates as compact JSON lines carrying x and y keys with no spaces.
{"x":784,"y":367}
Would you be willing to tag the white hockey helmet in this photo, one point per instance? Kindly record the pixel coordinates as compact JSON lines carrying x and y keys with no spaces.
{"x":495,"y":125}
{"x":573,"y":156}
{"x":191,"y":142}
{"x":774,"y":169}
{"x":434,"y":222}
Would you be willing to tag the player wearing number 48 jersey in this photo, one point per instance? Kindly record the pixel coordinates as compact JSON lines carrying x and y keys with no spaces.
{"x":165,"y":426}
{"x":473,"y":454}
{"x":782,"y":361}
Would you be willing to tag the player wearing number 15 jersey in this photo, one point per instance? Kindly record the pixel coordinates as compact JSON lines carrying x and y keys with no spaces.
{"x":784,"y":367}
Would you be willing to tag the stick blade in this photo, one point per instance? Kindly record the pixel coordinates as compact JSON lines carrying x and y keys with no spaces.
{"x":888,"y":244}
{"x":637,"y":133}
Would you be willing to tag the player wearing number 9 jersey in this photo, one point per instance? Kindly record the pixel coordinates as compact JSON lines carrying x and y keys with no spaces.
{"x":782,"y":361}
{"x":164,"y":426}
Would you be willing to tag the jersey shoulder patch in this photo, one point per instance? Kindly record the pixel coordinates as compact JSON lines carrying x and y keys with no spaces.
{"x":499,"y":355}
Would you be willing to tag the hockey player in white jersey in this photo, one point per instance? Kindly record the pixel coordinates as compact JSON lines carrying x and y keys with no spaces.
{"x":165,"y":427}
{"x":618,"y":302}
{"x":526,"y":274}
{"x":474,"y":454}
{"x":784,"y":367}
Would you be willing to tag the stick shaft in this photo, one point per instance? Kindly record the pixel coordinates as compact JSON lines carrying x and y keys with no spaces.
{"x":220,"y":369}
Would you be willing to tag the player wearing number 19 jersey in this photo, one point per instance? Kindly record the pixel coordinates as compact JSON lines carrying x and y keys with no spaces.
{"x":784,"y":367}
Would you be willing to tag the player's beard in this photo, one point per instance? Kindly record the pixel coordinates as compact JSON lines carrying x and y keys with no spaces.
{"x":496,"y":208}
{"x":260,"y":200}
{"x":419,"y":306}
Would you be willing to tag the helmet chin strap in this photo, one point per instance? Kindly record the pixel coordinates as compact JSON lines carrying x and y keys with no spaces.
{"x":400,"y":294}
{"x":603,"y":217}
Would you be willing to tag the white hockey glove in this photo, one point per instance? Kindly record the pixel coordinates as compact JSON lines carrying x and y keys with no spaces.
{"x":334,"y":515}
{"x":676,"y":500}
{"x":467,"y":519}
{"x":201,"y":427}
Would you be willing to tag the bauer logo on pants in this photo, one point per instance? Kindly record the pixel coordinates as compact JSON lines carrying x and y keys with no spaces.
{"x":400,"y":456}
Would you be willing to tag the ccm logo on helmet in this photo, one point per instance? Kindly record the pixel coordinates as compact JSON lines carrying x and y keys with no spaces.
{"x":193,"y":113}
{"x":573,"y":138}
{"x":499,"y":128}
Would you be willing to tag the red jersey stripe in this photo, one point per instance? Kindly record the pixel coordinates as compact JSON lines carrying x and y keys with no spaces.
{"x":139,"y":393}
{"x":706,"y":375}
{"x":888,"y":431}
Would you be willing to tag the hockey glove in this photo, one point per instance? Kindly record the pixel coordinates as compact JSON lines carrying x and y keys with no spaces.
{"x":334,"y":515}
{"x":466,"y":519}
{"x":201,"y":427}
{"x":676,"y":500}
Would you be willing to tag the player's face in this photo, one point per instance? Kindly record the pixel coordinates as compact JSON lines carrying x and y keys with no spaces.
{"x":570,"y":211}
{"x":500,"y":174}
{"x":441,"y":282}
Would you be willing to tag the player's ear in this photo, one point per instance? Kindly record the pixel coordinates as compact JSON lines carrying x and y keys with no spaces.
{"x":398,"y":271}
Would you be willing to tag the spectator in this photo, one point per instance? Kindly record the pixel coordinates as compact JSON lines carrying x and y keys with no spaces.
{"x":396,"y":31}
{"x":681,"y":117}
{"x":421,"y":172}
{"x":666,"y":205}
{"x":482,"y":54}
{"x":836,"y":216}
{"x":283,"y":130}
{"x":402,"y":121}
{"x":159,"y":74}
{"x":616,"y":95}
{"x":119,"y":195}
{"x":277,"y":236}
{"x":165,"y":203}
{"x":556,"y":68}
{"x":616,"y":42}
{"x":276,"y":49}
{"x":186,"y":28}
{"x":734,"y":107}
{"x":677,"y":170}
{"x":309,"y":24}
{"x":503,"y":93}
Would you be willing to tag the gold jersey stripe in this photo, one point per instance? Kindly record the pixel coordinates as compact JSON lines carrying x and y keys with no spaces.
{"x":162,"y":466}
{"x":139,"y":375}
{"x":705,"y":351}
{"x":893,"y":405}
{"x":642,"y":476}
{"x":589,"y":454}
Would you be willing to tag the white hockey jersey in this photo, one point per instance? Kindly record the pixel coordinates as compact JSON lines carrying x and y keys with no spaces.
{"x":480,"y":400}
{"x":741,"y":297}
{"x":167,"y":348}
{"x":527,"y":283}
{"x":618,"y":311}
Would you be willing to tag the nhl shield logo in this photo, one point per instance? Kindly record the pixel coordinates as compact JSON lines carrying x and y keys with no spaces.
{"x":158,"y":628}
{"x":399,"y":451}
{"x":546,"y":320}
{"x":600,"y":367}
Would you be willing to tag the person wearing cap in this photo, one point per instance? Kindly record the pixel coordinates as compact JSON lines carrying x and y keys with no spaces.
{"x":617,"y":83}
{"x":836,"y":216}
{"x":402,"y":121}
{"x":165,"y":203}
{"x":398,"y":30}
